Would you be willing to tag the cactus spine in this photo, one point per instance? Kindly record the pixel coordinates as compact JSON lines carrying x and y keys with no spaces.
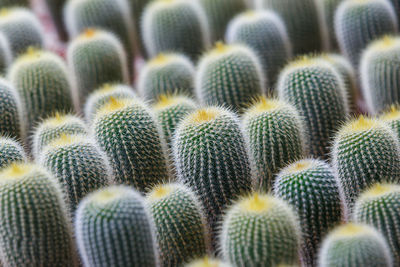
{"x":10,"y":152}
{"x":35,"y":230}
{"x":359,"y":22}
{"x":260,"y":230}
{"x":355,"y":245}
{"x":113,"y":228}
{"x":180,"y":226}
{"x":392,"y":118}
{"x":311,"y":188}
{"x":229,"y":75}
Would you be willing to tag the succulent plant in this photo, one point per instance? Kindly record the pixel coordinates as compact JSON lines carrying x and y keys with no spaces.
{"x":10,"y":152}
{"x":392,"y":118}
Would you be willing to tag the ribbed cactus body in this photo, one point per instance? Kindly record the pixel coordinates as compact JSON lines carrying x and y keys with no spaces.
{"x":392,"y":119}
{"x":219,"y":13}
{"x":365,"y":152}
{"x":35,"y":230}
{"x":180,"y":226}
{"x":276,"y":135}
{"x":230,"y":76}
{"x":166,"y":74}
{"x":379,"y":207}
{"x":175,"y":26}
{"x":42,"y":81}
{"x":311,"y":188}
{"x":327,"y":9}
{"x":97,"y":57}
{"x":379,"y":67}
{"x":13,"y":3}
{"x":10,"y":151}
{"x":355,"y":245}
{"x":301,"y":20}
{"x":318,"y":93}
{"x":260,"y":230}
{"x":22,"y":29}
{"x":56,"y":8}
{"x":357,"y":23}
{"x":129,"y":134}
{"x":79,"y":166}
{"x":6,"y":55}
{"x":265,"y":33}
{"x":113,"y":228}
{"x":211,"y":157}
{"x":207,"y":262}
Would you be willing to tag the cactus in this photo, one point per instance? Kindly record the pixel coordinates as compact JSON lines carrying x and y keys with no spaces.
{"x":35,"y":228}
{"x":354,"y":245}
{"x":276,"y":136}
{"x":379,"y":66}
{"x":211,"y":157}
{"x":101,"y":96}
{"x":10,"y":152}
{"x":21,"y":28}
{"x":55,"y":8}
{"x":166,"y":74}
{"x":100,"y":49}
{"x":42,"y":81}
{"x":219,"y":13}
{"x":365,"y":152}
{"x":301,"y":20}
{"x":6,"y":56}
{"x":327,"y":9}
{"x":53,"y":127}
{"x":180,"y":226}
{"x":260,"y":230}
{"x":378,"y":207}
{"x":311,"y":188}
{"x":175,"y":26}
{"x":357,"y":23}
{"x":127,"y":131}
{"x":13,"y":3}
{"x":392,"y":119}
{"x":207,"y":262}
{"x":113,"y":228}
{"x":78,"y":164}
{"x":229,"y":75}
{"x":318,"y":93}
{"x":265,"y":33}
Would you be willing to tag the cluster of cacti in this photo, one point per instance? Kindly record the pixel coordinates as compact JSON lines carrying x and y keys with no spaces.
{"x":10,"y":151}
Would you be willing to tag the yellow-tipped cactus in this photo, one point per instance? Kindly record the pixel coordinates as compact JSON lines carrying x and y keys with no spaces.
{"x":392,"y":118}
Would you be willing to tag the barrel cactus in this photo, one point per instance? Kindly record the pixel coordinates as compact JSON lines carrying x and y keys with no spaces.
{"x":392,"y":118}
{"x":10,"y":151}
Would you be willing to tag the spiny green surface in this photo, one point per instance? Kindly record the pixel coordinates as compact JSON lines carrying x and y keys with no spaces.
{"x":10,"y":151}
{"x":392,"y":118}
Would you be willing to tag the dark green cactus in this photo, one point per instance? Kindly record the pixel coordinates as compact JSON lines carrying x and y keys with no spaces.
{"x":56,"y":8}
{"x":311,"y":188}
{"x":113,"y":228}
{"x":10,"y":151}
{"x":392,"y":119}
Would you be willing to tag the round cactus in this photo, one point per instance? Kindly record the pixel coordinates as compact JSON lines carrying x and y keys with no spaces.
{"x":180,"y":227}
{"x":276,"y":136}
{"x":10,"y":152}
{"x":113,"y":228}
{"x":354,"y":245}
{"x":357,"y":23}
{"x":166,"y":74}
{"x":229,"y":75}
{"x":175,"y":26}
{"x":207,"y":262}
{"x":260,"y":230}
{"x":392,"y":118}
{"x":35,"y":228}
{"x":55,"y":8}
{"x":6,"y":54}
{"x":311,"y":188}
{"x":265,"y":33}
{"x":129,"y":134}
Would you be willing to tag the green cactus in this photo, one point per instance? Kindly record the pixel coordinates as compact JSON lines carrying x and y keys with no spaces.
{"x":365,"y":152}
{"x":378,"y":207}
{"x":35,"y":228}
{"x":260,"y":230}
{"x":354,"y":245}
{"x":42,"y":81}
{"x":327,"y":9}
{"x":166,"y":74}
{"x":211,"y":157}
{"x":207,"y":262}
{"x":6,"y":56}
{"x":276,"y":137}
{"x":301,"y":20}
{"x":101,"y":96}
{"x":113,"y":228}
{"x":21,"y":28}
{"x":229,"y":75}
{"x":55,"y":8}
{"x":317,"y":91}
{"x":392,"y":118}
{"x":265,"y":33}
{"x":10,"y":152}
{"x":219,"y":13}
{"x":180,"y":227}
{"x":357,"y":23}
{"x":53,"y":127}
{"x":100,"y":49}
{"x":129,"y":134}
{"x":311,"y":188}
{"x":13,"y":3}
{"x":79,"y":166}
{"x":178,"y":26}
